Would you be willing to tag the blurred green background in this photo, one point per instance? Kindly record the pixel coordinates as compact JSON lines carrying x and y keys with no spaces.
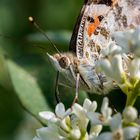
{"x":27,"y":78}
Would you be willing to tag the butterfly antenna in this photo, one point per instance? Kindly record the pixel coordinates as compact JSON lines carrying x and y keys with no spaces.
{"x":45,"y":35}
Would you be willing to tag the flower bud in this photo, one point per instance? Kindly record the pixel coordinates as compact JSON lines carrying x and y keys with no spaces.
{"x":130,"y":114}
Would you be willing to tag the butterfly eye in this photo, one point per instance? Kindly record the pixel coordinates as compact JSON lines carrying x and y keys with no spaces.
{"x":90,"y":19}
{"x":64,"y":62}
{"x":100,"y":18}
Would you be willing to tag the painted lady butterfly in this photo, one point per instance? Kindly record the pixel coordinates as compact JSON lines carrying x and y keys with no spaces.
{"x":98,"y":19}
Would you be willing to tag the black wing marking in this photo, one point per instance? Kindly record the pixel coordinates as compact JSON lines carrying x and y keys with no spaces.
{"x":72,"y":46}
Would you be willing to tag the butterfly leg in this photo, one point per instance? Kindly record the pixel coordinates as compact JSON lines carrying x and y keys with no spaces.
{"x":77,"y":87}
{"x":57,"y":97}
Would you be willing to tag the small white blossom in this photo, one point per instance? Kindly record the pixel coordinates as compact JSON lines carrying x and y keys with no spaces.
{"x":60,"y":113}
{"x":89,"y":106}
{"x":95,"y":130}
{"x":111,"y":63}
{"x":111,"y":50}
{"x":79,"y":111}
{"x":134,"y":68}
{"x":75,"y":134}
{"x":48,"y":133}
{"x":103,"y":117}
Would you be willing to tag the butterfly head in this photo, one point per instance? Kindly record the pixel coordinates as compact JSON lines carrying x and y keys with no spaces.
{"x":60,"y":61}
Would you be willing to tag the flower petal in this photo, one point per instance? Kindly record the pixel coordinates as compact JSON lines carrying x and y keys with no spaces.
{"x":105,"y":136}
{"x":49,"y":133}
{"x":89,"y":106}
{"x":105,"y":66}
{"x":94,"y":118}
{"x":93,"y":106}
{"x":86,"y":104}
{"x":105,"y":104}
{"x":134,"y":68}
{"x":47,"y":115}
{"x":117,"y":66}
{"x":115,"y":123}
{"x":80,"y":113}
{"x":130,"y":132}
{"x":75,"y":134}
{"x":36,"y":138}
{"x":60,"y":110}
{"x":122,"y":40}
{"x":95,"y":129}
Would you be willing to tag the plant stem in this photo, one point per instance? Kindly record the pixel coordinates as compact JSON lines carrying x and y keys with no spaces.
{"x":131,"y":98}
{"x":132,"y":95}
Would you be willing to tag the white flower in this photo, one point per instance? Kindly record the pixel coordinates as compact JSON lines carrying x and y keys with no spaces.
{"x":75,"y":134}
{"x":103,"y":117}
{"x":49,"y":133}
{"x":111,"y":63}
{"x":134,"y":68}
{"x":89,"y":106}
{"x":95,"y":130}
{"x":129,"y":40}
{"x":79,"y":111}
{"x":111,"y":50}
{"x":60,"y":113}
{"x":119,"y":133}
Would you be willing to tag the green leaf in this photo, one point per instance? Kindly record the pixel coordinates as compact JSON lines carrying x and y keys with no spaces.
{"x":4,"y":76}
{"x":10,"y":114}
{"x":27,"y":89}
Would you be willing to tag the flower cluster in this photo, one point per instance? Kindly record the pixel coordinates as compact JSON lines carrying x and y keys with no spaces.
{"x":121,"y":62}
{"x":84,"y":123}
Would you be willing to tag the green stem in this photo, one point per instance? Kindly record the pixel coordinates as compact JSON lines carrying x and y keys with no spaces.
{"x":132,"y":95}
{"x":131,"y":98}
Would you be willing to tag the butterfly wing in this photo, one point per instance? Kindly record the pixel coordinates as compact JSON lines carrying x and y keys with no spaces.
{"x":72,"y":46}
{"x":79,"y":37}
{"x":98,"y":19}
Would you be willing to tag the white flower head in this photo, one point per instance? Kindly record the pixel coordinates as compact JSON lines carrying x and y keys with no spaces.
{"x":83,"y":123}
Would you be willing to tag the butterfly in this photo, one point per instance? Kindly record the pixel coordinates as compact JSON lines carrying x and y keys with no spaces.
{"x":97,"y":20}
